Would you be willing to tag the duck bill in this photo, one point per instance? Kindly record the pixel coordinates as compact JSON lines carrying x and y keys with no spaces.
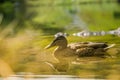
{"x":50,"y":45}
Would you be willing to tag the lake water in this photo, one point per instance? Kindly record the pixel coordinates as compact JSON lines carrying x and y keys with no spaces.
{"x":86,"y":16}
{"x":78,"y":15}
{"x":47,"y":77}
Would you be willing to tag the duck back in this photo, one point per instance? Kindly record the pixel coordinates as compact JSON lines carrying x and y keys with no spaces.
{"x":84,"y":49}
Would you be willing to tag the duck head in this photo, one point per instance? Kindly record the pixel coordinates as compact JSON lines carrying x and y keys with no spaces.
{"x":59,"y":41}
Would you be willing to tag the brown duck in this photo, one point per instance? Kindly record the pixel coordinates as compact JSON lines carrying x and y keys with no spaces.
{"x":67,"y":53}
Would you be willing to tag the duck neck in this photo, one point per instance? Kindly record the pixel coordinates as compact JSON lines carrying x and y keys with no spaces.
{"x":63,"y":45}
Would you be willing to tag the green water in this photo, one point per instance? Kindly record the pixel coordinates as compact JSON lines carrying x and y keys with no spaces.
{"x":72,"y":16}
{"x":25,"y":52}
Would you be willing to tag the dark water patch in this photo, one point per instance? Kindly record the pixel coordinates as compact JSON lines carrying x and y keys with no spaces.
{"x":47,"y":28}
{"x":116,"y":14}
{"x":118,"y":1}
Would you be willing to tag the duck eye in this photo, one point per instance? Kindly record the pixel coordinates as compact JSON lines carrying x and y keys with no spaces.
{"x":59,"y":39}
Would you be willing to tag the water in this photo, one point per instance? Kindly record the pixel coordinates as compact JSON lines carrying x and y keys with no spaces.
{"x":46,"y":77}
{"x":76,"y":15}
{"x":26,"y":51}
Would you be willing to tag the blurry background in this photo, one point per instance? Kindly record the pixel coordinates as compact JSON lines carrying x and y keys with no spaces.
{"x":61,"y":15}
{"x":27,"y":26}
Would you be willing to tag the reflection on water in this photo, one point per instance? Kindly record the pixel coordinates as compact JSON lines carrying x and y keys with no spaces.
{"x":47,"y":77}
{"x":87,"y":67}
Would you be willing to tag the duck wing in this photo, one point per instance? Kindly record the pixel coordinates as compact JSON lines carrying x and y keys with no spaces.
{"x":97,"y":45}
{"x":90,"y":49}
{"x":94,"y":45}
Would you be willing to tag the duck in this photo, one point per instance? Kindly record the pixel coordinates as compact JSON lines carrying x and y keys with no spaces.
{"x":66,"y":53}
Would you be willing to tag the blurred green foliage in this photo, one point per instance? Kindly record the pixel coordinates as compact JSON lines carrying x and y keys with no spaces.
{"x":59,"y":16}
{"x":7,"y":9}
